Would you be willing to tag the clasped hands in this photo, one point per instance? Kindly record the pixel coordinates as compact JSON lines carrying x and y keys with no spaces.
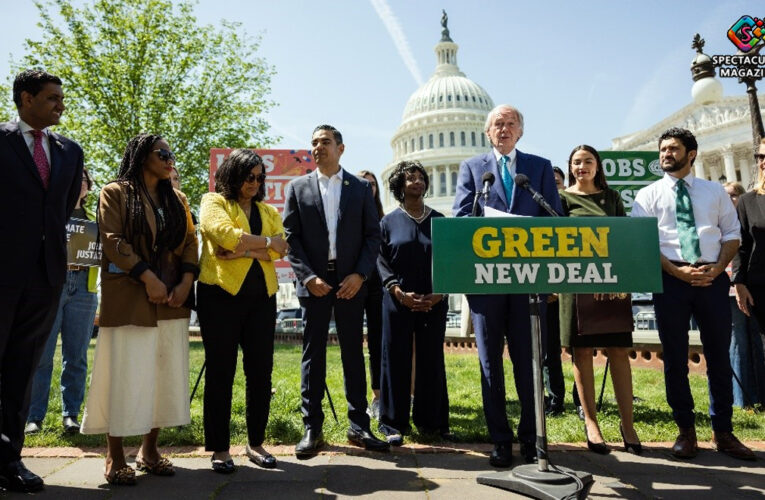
{"x":699,"y":276}
{"x":415,"y":301}
{"x":348,"y":289}
{"x":156,"y":290}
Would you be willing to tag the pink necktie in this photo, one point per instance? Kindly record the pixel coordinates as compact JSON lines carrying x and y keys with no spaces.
{"x":40,"y":159}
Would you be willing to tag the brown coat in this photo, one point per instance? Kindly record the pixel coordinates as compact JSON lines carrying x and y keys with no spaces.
{"x":123,"y":297}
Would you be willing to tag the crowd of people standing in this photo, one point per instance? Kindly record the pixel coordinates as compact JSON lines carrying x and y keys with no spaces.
{"x":350,"y":260}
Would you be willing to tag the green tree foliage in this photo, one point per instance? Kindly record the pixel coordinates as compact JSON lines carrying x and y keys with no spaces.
{"x":132,"y":66}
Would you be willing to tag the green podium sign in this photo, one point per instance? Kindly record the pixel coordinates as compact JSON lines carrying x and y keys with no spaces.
{"x":477,"y":255}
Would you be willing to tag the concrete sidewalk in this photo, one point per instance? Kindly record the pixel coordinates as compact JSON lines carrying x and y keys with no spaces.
{"x":407,"y":472}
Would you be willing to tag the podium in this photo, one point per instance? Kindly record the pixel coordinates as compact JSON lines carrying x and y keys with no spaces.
{"x":536,"y":255}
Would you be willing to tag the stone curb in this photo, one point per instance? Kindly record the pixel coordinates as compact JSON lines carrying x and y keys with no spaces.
{"x":284,"y":450}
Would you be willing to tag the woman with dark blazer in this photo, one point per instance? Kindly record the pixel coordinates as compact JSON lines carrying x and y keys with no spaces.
{"x":411,"y":311}
{"x":140,"y":378}
{"x":749,"y":271}
{"x":236,"y":302}
{"x":373,"y":311}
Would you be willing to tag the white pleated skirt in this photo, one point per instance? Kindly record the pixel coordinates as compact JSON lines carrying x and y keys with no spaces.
{"x":140,"y":379}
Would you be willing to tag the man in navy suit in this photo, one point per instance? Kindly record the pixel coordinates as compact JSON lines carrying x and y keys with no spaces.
{"x":42,"y":173}
{"x":499,"y":317}
{"x":333,"y":234}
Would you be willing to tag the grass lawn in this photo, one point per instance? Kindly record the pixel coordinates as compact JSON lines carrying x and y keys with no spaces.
{"x":652,"y":414}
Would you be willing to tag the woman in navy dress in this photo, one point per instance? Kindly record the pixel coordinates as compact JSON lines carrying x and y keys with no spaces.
{"x":411,"y":311}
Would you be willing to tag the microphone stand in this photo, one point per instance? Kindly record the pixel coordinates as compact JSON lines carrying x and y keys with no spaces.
{"x":476,"y":205}
{"x":541,"y":480}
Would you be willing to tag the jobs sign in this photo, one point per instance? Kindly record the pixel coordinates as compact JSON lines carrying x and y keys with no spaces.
{"x":629,"y":171}
{"x":544,"y":255}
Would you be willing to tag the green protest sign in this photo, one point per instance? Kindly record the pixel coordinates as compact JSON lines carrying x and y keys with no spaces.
{"x":478,"y":255}
{"x":630,"y":171}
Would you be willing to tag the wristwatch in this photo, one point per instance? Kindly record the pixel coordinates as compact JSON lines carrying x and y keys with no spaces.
{"x":268,"y":241}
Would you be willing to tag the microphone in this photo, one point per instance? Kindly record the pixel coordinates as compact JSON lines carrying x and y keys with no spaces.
{"x":488,"y":179}
{"x":522,"y":181}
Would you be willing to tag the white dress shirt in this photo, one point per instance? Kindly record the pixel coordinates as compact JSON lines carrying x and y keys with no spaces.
{"x":715,"y":217}
{"x":330,"y":189}
{"x":510,"y":162}
{"x":26,"y":132}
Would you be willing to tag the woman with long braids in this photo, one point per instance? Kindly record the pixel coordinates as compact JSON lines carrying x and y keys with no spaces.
{"x":140,"y":370}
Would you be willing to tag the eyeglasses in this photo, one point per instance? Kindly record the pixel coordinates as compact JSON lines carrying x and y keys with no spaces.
{"x":759,"y":157}
{"x":252,"y":178}
{"x":164,"y":154}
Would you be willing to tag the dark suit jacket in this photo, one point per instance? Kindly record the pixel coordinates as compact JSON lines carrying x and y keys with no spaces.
{"x":540,"y":174}
{"x":34,"y":219}
{"x":358,"y":229}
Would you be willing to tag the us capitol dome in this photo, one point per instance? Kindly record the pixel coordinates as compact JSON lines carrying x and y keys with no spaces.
{"x":442,"y":125}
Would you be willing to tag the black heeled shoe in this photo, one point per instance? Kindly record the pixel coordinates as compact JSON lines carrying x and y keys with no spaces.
{"x":599,"y":448}
{"x":635,"y":448}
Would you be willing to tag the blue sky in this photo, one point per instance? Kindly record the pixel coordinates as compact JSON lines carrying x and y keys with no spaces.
{"x":581,"y":72}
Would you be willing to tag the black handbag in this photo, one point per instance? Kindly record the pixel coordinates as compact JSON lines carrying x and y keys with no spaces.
{"x":603,"y":315}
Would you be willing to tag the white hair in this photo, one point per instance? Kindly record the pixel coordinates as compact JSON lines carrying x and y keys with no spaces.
{"x":497,"y":110}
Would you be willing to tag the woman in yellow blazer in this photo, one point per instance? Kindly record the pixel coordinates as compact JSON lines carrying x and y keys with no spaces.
{"x":236,"y":302}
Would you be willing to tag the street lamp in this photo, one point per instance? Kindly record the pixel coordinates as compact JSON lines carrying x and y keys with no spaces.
{"x":754,"y":105}
{"x":703,"y":68}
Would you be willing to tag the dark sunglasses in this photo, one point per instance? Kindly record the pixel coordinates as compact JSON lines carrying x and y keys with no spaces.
{"x":759,"y":157}
{"x":164,"y":154}
{"x":252,"y":178}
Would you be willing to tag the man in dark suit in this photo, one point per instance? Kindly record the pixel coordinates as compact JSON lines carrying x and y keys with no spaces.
{"x":333,"y":233}
{"x":499,"y":317}
{"x":42,"y":172}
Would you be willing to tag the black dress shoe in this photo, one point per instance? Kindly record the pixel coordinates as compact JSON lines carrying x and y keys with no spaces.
{"x":71,"y":425}
{"x":312,"y":442}
{"x":368,"y":440}
{"x":554,"y":411}
{"x":502,"y":455}
{"x":266,"y":461}
{"x":528,"y":453}
{"x":19,"y":478}
{"x":599,"y":448}
{"x":223,"y":466}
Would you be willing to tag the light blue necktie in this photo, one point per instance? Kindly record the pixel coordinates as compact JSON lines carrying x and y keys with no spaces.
{"x":507,"y":179}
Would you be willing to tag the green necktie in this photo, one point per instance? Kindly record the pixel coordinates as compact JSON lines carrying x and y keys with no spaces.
{"x":686,"y":225}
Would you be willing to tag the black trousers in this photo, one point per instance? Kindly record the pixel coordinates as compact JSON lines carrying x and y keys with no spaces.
{"x":430,"y":410}
{"x":349,"y":317}
{"x":373,"y":310}
{"x":553,"y":371}
{"x":26,"y":317}
{"x":227,"y":322}
{"x":709,"y":305}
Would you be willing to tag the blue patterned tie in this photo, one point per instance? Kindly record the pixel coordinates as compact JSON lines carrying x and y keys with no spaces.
{"x":686,"y":225}
{"x":507,"y":179}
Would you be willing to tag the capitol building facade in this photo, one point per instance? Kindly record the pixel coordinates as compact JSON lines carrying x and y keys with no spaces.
{"x":722,"y":126}
{"x":442,"y":125}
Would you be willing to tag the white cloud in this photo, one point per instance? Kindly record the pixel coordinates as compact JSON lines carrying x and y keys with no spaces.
{"x":389,"y":19}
